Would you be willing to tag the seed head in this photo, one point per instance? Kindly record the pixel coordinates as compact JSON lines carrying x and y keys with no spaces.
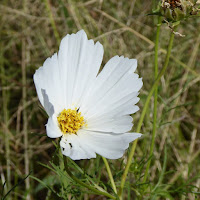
{"x":176,"y":10}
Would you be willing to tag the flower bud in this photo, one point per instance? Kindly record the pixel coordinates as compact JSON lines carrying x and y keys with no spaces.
{"x":176,"y":10}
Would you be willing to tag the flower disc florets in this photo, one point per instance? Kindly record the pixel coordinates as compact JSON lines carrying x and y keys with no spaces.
{"x":70,"y":121}
{"x":177,"y":10}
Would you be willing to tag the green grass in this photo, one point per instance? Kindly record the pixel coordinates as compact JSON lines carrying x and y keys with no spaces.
{"x":30,"y":31}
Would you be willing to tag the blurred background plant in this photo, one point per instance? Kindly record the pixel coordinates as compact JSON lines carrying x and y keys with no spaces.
{"x":30,"y":31}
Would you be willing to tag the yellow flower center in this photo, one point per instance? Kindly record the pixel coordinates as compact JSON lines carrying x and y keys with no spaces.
{"x":70,"y":121}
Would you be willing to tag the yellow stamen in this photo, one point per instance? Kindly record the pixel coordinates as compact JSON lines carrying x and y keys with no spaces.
{"x":70,"y":121}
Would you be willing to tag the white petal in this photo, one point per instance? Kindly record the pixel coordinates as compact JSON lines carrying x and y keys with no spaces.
{"x":79,"y":62}
{"x":47,"y":104}
{"x":115,"y":87}
{"x":53,"y":131}
{"x":111,"y":145}
{"x":73,"y":147}
{"x":66,"y":78}
{"x":120,"y":124}
{"x":105,"y":101}
{"x":46,"y":78}
{"x":120,"y":107}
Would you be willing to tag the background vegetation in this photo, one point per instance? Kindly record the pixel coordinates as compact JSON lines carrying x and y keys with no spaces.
{"x":30,"y":31}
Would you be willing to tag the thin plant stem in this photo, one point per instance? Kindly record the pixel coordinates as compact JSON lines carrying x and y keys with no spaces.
{"x":53,"y":24}
{"x":88,"y":177}
{"x":155,"y":99}
{"x":25,"y":121}
{"x":147,"y":40}
{"x":5,"y":121}
{"x":161,"y":176}
{"x":110,"y":174}
{"x":86,"y":185}
{"x":132,"y":151}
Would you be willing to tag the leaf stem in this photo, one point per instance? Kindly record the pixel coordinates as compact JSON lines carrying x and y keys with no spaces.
{"x":132,"y":151}
{"x":88,"y":177}
{"x":155,"y":100}
{"x":86,"y":185}
{"x":110,"y":174}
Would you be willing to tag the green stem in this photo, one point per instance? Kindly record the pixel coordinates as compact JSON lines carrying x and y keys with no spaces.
{"x":53,"y":24}
{"x":86,"y":185}
{"x":161,"y":176}
{"x":110,"y":174}
{"x":132,"y":151}
{"x":88,"y":177}
{"x":155,"y":100}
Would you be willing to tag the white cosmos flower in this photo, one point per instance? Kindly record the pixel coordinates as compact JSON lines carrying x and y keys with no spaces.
{"x":90,"y":111}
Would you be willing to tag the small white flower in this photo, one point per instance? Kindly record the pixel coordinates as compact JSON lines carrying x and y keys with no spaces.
{"x":90,"y":111}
